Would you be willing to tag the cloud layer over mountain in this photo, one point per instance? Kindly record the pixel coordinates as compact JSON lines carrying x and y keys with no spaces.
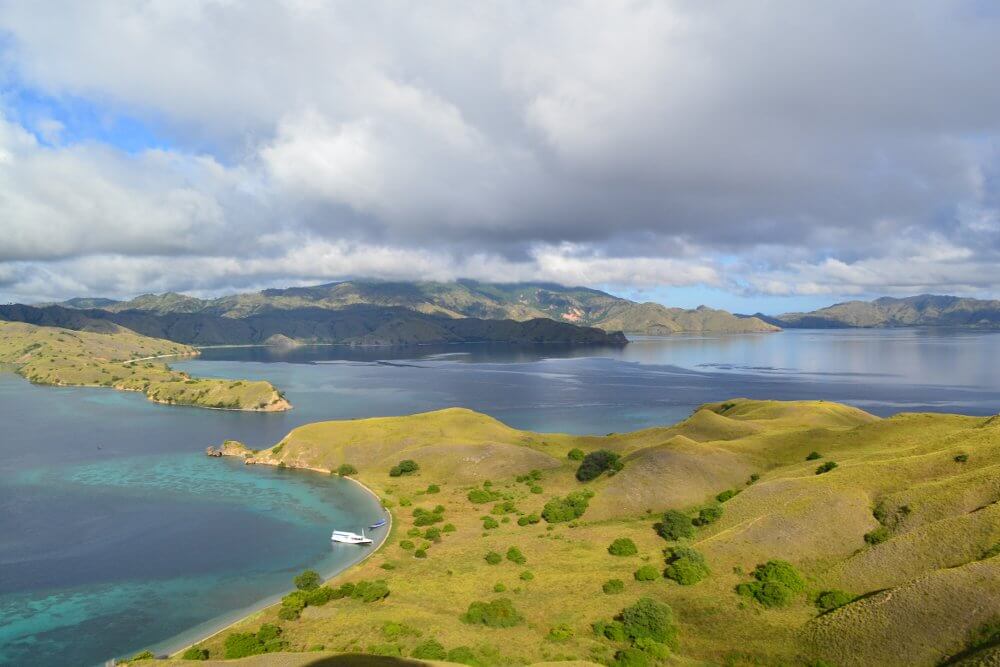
{"x":763,"y":148}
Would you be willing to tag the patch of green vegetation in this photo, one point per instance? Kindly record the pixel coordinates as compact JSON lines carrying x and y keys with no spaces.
{"x":597,"y":463}
{"x":708,"y":515}
{"x":244,"y":644}
{"x":726,"y":495}
{"x":832,"y":599}
{"x":195,"y":653}
{"x":623,"y":546}
{"x":493,"y":558}
{"x":308,"y":580}
{"x":613,"y":586}
{"x":777,"y":583}
{"x":962,"y":458}
{"x":646,"y":573}
{"x":675,"y":526}
{"x":575,"y":454}
{"x":404,"y":467}
{"x":826,"y":467}
{"x":482,"y":496}
{"x":429,"y":649}
{"x":813,"y":455}
{"x":498,"y":613}
{"x":685,"y":565}
{"x":346,"y":470}
{"x":560,"y":510}
{"x":514,"y":555}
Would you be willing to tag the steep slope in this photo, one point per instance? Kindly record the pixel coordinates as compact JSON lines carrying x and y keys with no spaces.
{"x":923,"y":310}
{"x":464,"y":299}
{"x":907,"y":525}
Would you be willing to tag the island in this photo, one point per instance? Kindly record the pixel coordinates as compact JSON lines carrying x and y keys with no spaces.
{"x":753,"y":532}
{"x":121,"y":359}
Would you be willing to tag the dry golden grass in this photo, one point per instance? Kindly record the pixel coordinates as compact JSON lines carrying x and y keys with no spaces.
{"x":936,"y":588}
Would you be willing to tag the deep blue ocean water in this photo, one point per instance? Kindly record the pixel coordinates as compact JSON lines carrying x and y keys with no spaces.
{"x":118,"y":534}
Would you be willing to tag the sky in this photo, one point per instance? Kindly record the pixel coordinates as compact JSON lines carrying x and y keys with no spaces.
{"x":756,"y":156}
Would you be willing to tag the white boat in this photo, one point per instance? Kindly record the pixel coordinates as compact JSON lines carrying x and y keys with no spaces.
{"x":346,"y":537}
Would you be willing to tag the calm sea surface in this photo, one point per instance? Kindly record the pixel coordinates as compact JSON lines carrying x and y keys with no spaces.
{"x":119,"y":534}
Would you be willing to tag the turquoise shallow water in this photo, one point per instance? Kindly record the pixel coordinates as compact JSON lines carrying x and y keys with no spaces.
{"x":118,"y":534}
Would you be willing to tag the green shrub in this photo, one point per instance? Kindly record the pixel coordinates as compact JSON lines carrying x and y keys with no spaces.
{"x":826,"y":467}
{"x":754,"y":478}
{"x":242,"y":644}
{"x":392,"y":630}
{"x":596,"y":463}
{"x":489,"y":523}
{"x":726,"y":495}
{"x":528,"y":519}
{"x":481,"y":496}
{"x":646,"y":573}
{"x":493,"y":558}
{"x":430,"y":649}
{"x":623,"y":546}
{"x":685,"y":565}
{"x":776,"y":584}
{"x":433,"y":534}
{"x":961,"y":458}
{"x":386,"y":650}
{"x":499,"y":587}
{"x":462,"y":655}
{"x":527,"y":575}
{"x":448,"y":528}
{"x":560,"y":633}
{"x":535,"y":488}
{"x":388,"y":566}
{"x":433,"y":488}
{"x":575,"y":454}
{"x":812,"y":456}
{"x":879,"y":535}
{"x":498,"y":613}
{"x":613,"y":586}
{"x":404,"y":467}
{"x":195,"y":653}
{"x":632,"y":656}
{"x":346,"y":469}
{"x":991,"y":552}
{"x":708,"y":515}
{"x":514,"y":555}
{"x":370,"y":591}
{"x":613,"y":630}
{"x":406,"y":544}
{"x":144,"y":655}
{"x":830,"y":600}
{"x":308,"y":580}
{"x":420,"y":553}
{"x":559,"y":510}
{"x":319,"y":596}
{"x":675,"y":525}
{"x":649,"y":619}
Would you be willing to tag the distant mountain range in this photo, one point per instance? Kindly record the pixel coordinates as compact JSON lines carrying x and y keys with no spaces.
{"x":925,"y":310}
{"x":463,"y":299}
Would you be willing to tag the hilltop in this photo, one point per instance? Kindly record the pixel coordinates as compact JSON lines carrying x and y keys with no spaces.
{"x":121,"y":359}
{"x":462,"y":299}
{"x":925,"y":310}
{"x":881,"y":539}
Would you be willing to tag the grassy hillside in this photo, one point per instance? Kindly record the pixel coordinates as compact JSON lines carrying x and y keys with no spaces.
{"x":54,"y":356}
{"x":923,"y":310}
{"x":904,"y":531}
{"x":463,"y":299}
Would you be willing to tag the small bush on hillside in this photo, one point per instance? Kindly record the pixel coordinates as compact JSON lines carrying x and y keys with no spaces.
{"x":961,"y":458}
{"x":812,"y":456}
{"x":649,"y":619}
{"x":622,"y":546}
{"x":493,"y":558}
{"x":499,"y":613}
{"x":830,"y":600}
{"x":243,"y":644}
{"x":776,"y":584}
{"x":559,"y":510}
{"x":420,"y":553}
{"x":685,"y":566}
{"x":404,"y":467}
{"x":596,"y":463}
{"x":613,"y":630}
{"x":878,"y":536}
{"x":433,"y":534}
{"x":535,"y":488}
{"x":575,"y":454}
{"x":506,"y":507}
{"x":424,"y":517}
{"x":646,"y":573}
{"x":489,"y":523}
{"x":195,"y":653}
{"x":370,"y":591}
{"x":991,"y":552}
{"x":675,"y":525}
{"x":560,"y":633}
{"x":346,"y":469}
{"x":527,"y":575}
{"x":613,"y":586}
{"x":308,"y":580}
{"x":318,"y":597}
{"x":514,"y":555}
{"x":406,"y":545}
{"x":726,"y":495}
{"x":528,"y":519}
{"x":448,"y":528}
{"x":707,"y":515}
{"x":145,"y":655}
{"x":754,"y":478}
{"x":633,"y":656}
{"x":499,"y":587}
{"x":826,"y":467}
{"x":462,"y":655}
{"x":481,"y":496}
{"x":433,"y":488}
{"x":430,"y":649}
{"x":392,"y":630}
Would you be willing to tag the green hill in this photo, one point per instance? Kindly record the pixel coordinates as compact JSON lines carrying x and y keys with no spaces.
{"x":124,"y":360}
{"x":906,"y":529}
{"x":915,"y":311}
{"x":464,"y":299}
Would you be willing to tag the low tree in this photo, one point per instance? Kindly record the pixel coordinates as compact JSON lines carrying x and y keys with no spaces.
{"x":675,"y":526}
{"x":596,"y":463}
{"x":623,"y":546}
{"x":308,"y":580}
